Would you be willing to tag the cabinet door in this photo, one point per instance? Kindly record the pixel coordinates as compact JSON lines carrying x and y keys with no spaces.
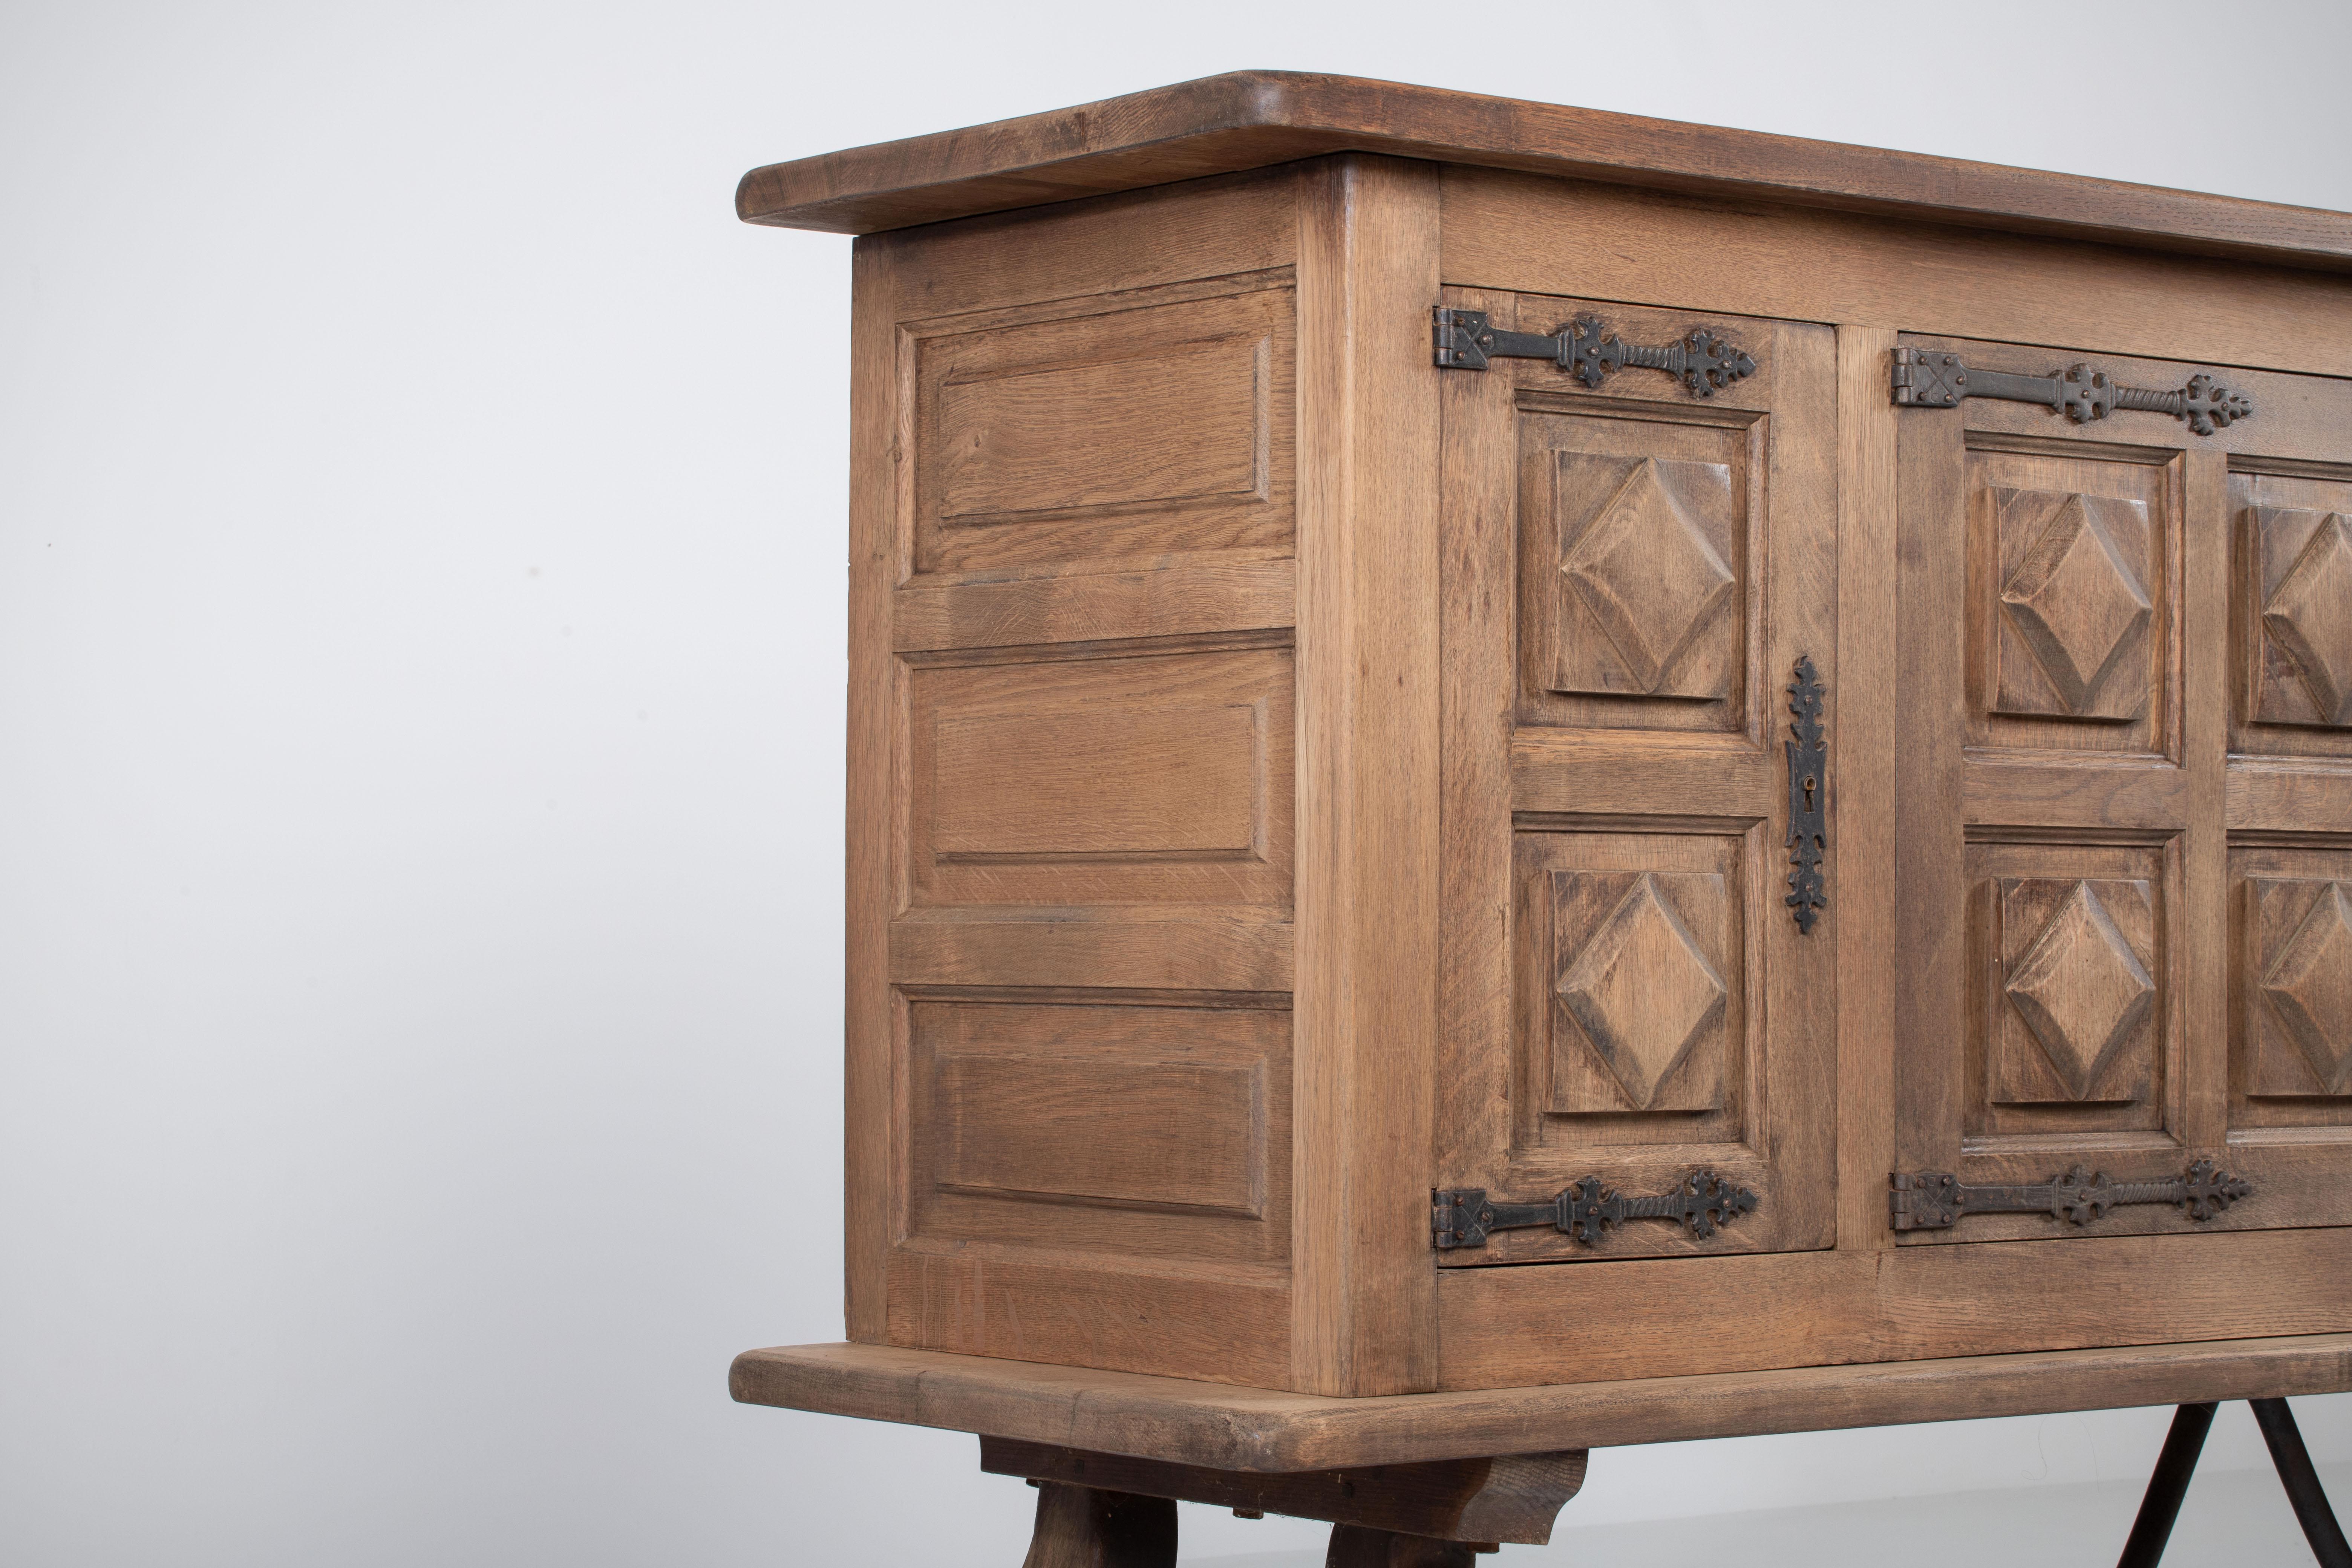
{"x":1631,"y":573}
{"x":2123,"y":806}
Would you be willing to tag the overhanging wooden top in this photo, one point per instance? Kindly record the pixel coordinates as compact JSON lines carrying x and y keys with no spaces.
{"x":1254,"y":1429}
{"x":1250,"y":119}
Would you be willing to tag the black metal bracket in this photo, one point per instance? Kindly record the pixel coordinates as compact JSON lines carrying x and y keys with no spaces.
{"x":1934,"y":1200}
{"x":1462,"y":1217}
{"x":2178,"y":1463}
{"x":1587,"y":350}
{"x":1929,"y":378}
{"x":1808,"y":783}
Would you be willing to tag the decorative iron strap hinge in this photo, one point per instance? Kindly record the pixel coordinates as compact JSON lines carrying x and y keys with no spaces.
{"x":1934,"y":1200}
{"x":1462,"y":1217}
{"x":1926,"y":378}
{"x":1808,"y":785}
{"x":1586,"y":349}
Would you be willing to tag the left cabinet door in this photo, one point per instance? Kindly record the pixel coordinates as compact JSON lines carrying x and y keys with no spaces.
{"x":1636,"y":563}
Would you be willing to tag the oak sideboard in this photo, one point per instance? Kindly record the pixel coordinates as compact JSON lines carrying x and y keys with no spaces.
{"x":1522,"y":778}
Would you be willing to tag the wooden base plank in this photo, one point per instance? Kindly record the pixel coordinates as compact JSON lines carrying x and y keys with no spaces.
{"x":1515,"y":1497}
{"x":1225,"y":1427}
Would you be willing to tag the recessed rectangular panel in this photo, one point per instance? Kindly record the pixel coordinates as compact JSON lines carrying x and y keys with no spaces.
{"x":1153,"y":1128}
{"x":1019,"y":1124}
{"x":2291,"y":615}
{"x":1118,"y":432}
{"x":1635,"y":589}
{"x":1639,"y":1002}
{"x":2292,"y":984}
{"x":1183,"y":424}
{"x":1647,"y":597}
{"x":2074,"y":1018}
{"x":1632,"y":982}
{"x":1062,"y":785}
{"x":2074,"y":607}
{"x":1082,"y":778}
{"x":2075,"y":1015}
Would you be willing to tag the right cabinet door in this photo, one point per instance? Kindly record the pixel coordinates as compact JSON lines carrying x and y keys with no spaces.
{"x":2124,"y":796}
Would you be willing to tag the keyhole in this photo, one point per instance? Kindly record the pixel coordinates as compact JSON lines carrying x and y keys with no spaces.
{"x":1808,"y":786}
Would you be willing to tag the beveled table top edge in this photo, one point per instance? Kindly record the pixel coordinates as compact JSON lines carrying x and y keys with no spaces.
{"x":1254,"y":119}
{"x":1252,"y":1429}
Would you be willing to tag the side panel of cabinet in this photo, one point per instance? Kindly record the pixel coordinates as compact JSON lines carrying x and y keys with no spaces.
{"x":1073,"y":785}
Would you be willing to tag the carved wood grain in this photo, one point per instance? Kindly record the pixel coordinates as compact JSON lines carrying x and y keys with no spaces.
{"x":2076,"y":1014}
{"x":2073,"y":604}
{"x":1641,"y":517}
{"x":1639,"y":1002}
{"x":1605,"y":787}
{"x":2291,"y":659}
{"x":2289,"y":1105}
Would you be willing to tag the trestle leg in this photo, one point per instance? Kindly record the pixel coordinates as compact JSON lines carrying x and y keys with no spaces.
{"x":1356,"y":1546}
{"x":2302,"y":1482}
{"x":1117,"y":1510}
{"x":1081,"y":1527}
{"x":2178,"y":1463}
{"x":2174,"y":1467}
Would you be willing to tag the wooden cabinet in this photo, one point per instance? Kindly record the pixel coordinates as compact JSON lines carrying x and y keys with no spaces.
{"x":1831,"y":772}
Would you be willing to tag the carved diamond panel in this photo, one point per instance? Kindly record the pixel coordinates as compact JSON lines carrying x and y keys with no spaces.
{"x":1645,"y":561}
{"x":1638,"y":988}
{"x":2305,"y":1029}
{"x":2305,"y":559}
{"x":2074,"y":605}
{"x":2078,"y":991}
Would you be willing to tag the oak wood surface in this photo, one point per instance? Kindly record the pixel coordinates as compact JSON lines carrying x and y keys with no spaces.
{"x":1252,"y":119}
{"x":1501,"y":1326}
{"x":1628,"y":576}
{"x":1089,"y":1527}
{"x":1656,"y":247}
{"x":1071,"y":784}
{"x":2108,"y":1043}
{"x":1359,"y":1546}
{"x":1511,"y":1497}
{"x":1256,"y":732}
{"x":1262,"y":1430}
{"x":1368,"y":800}
{"x":1862,"y":855}
{"x":872,"y":1140}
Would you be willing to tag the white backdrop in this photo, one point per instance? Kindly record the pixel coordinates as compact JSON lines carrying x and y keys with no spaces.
{"x":421,"y":676}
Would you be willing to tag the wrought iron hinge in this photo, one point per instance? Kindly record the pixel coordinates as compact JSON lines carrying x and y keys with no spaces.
{"x":1587,"y":350}
{"x":1462,"y":1217}
{"x":1808,"y":785}
{"x":1934,"y":1200}
{"x":1929,"y":378}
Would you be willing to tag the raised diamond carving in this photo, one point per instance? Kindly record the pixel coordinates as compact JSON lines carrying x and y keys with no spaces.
{"x":2081,"y":989}
{"x":1643,"y":991}
{"x":2310,"y":985}
{"x":2308,"y":616}
{"x":2077,"y":604}
{"x":1646,"y":570}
